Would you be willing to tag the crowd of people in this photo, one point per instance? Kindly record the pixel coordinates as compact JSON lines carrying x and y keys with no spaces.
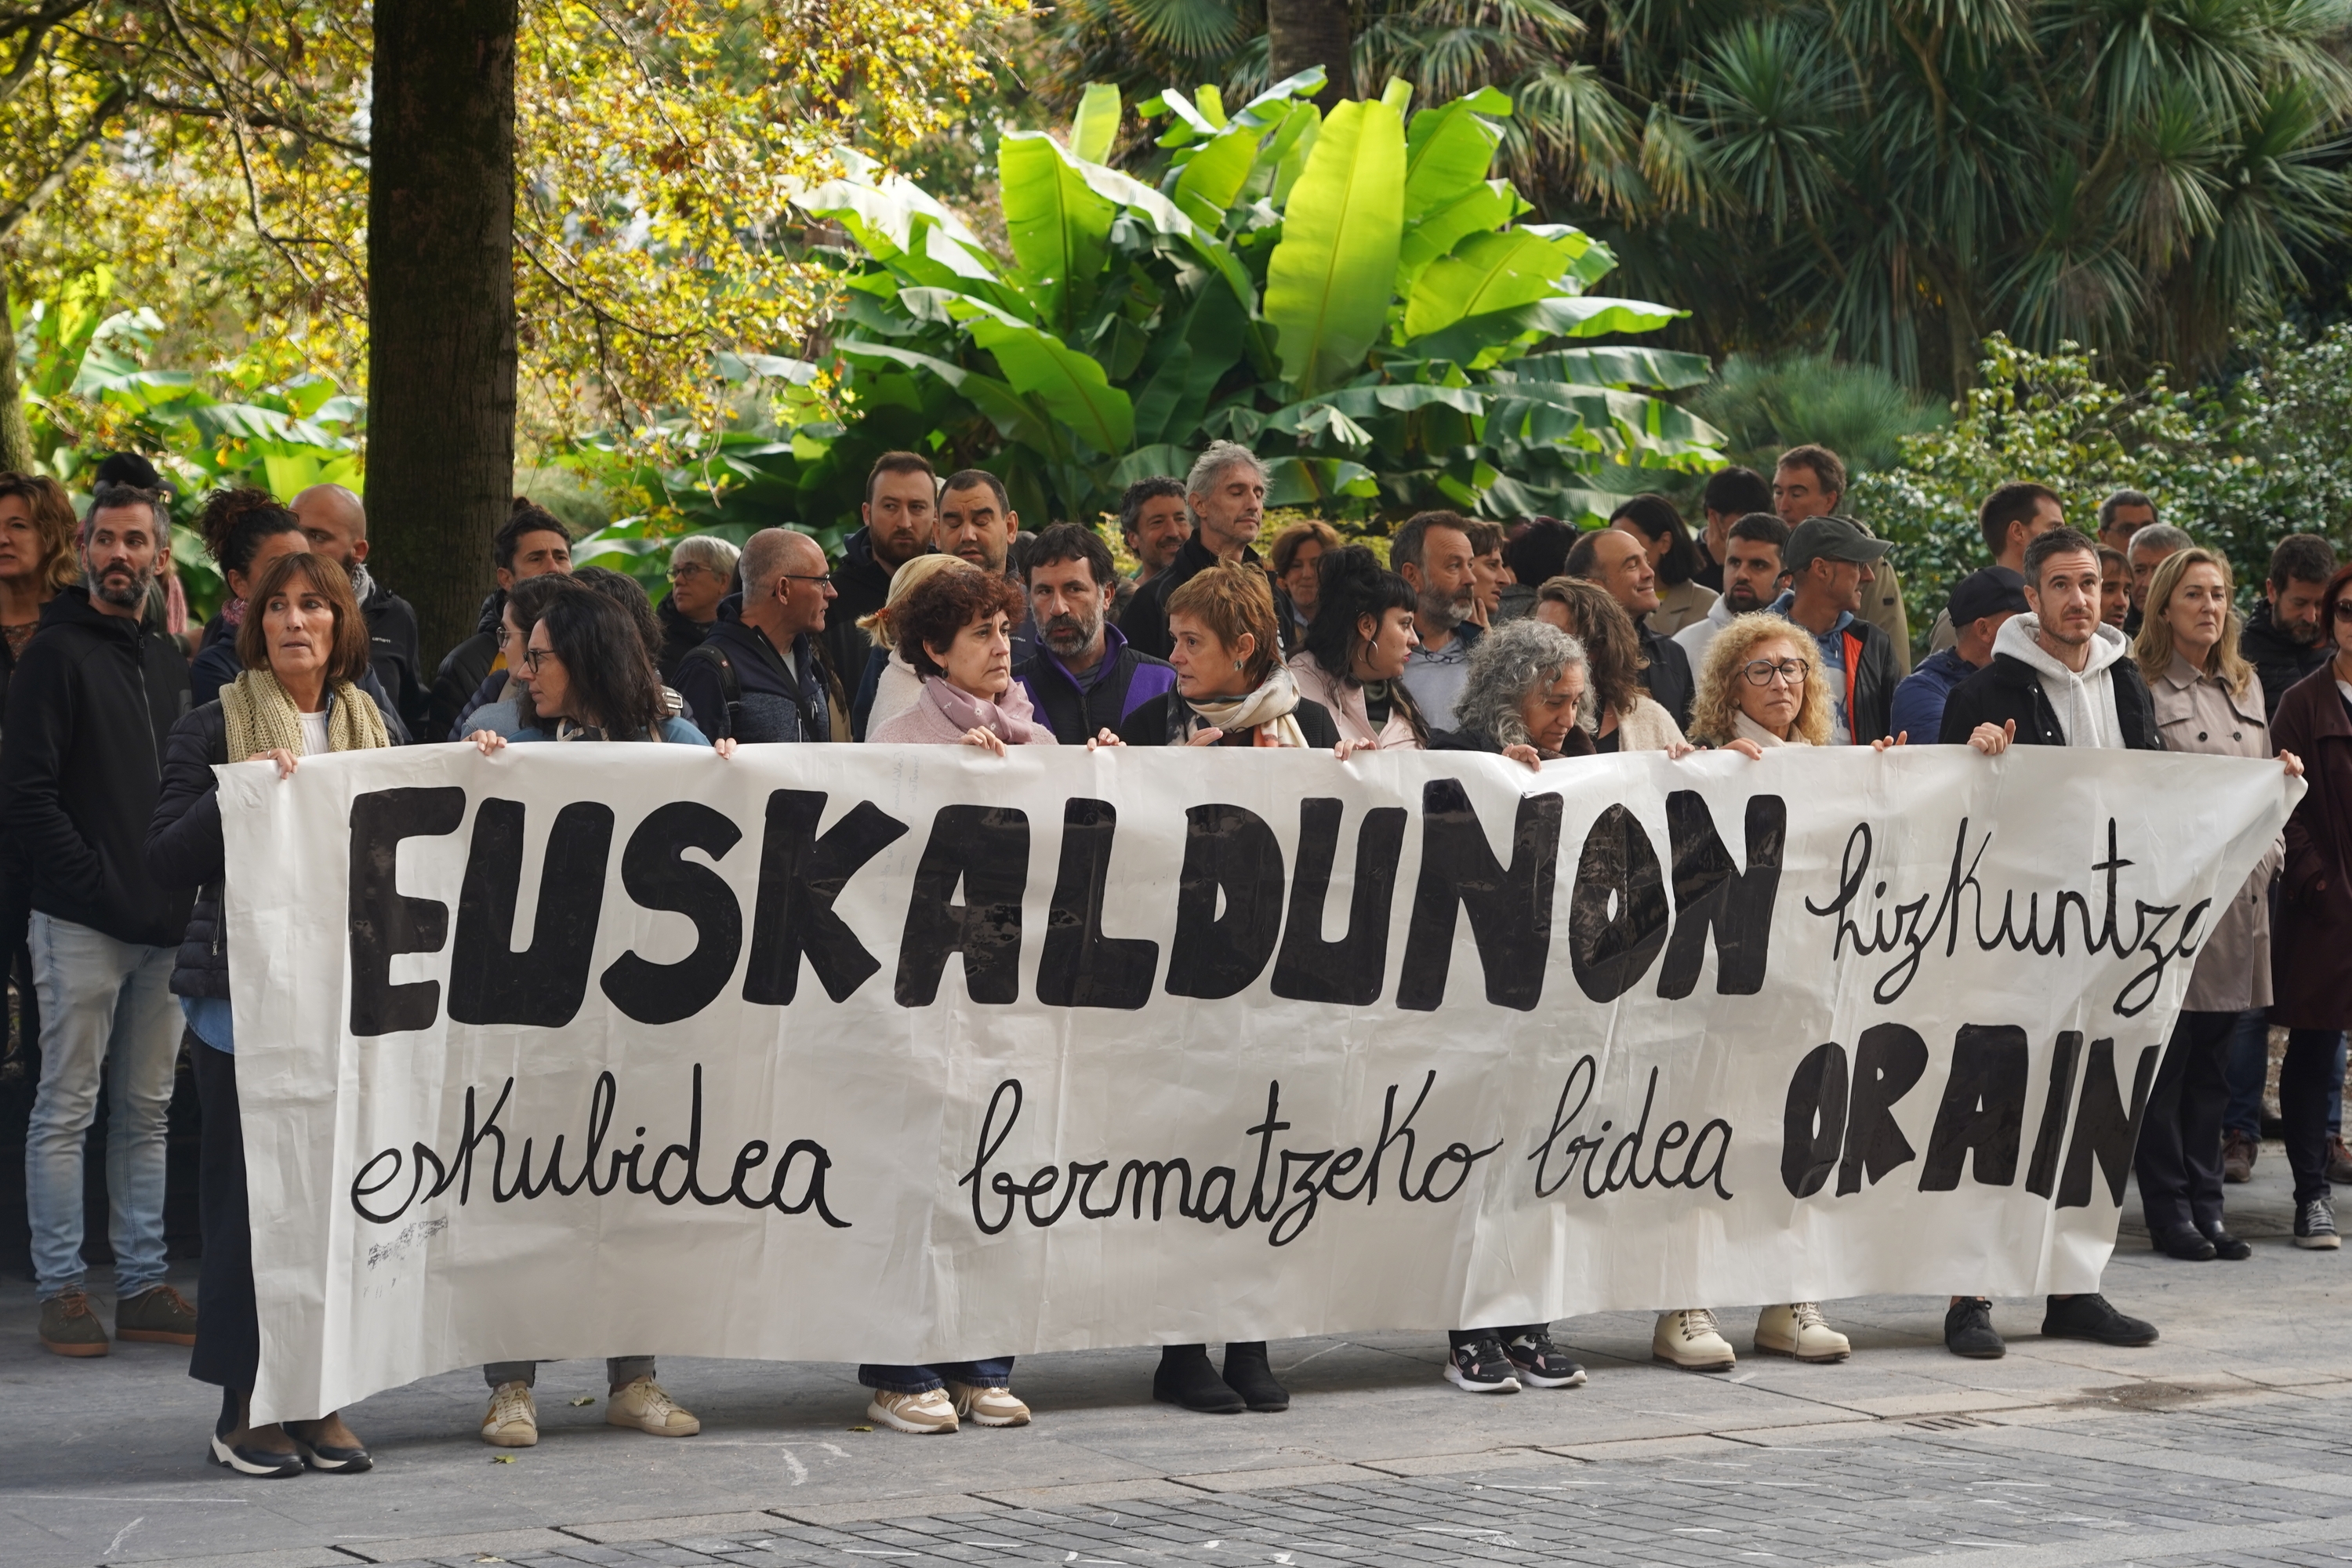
{"x":1780,"y":622}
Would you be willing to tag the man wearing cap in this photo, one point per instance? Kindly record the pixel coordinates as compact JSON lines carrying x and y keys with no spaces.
{"x":1829,"y":560}
{"x":1981,"y":602}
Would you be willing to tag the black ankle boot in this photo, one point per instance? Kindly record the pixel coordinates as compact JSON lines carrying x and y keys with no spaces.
{"x":1186,"y":1378}
{"x":1247,"y":1374}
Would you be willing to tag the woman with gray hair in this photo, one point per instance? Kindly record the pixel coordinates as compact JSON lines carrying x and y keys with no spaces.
{"x":701,"y":575}
{"x":1523,"y":697}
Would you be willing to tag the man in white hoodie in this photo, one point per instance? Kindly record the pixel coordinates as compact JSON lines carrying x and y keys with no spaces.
{"x":2059,"y":677}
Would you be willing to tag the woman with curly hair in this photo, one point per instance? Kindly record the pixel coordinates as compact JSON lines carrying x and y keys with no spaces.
{"x":1523,"y":696}
{"x":1622,"y":716}
{"x":955,"y":629}
{"x":1762,"y":686}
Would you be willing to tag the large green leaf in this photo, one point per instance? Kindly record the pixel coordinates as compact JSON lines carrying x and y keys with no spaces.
{"x":1094,"y":128}
{"x":1485,"y":273}
{"x":1329,"y":280}
{"x":1212,"y":181}
{"x":1317,"y":481}
{"x":1450,"y":150}
{"x":1483,"y":208}
{"x":1004,"y":407}
{"x":1059,"y":227}
{"x":1618,"y":365}
{"x":1071,"y":384}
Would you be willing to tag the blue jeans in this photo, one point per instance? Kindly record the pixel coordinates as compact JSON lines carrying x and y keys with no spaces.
{"x":994,"y":1372}
{"x":106,"y":1009}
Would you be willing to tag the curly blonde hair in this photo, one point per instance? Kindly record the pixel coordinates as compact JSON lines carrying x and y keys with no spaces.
{"x":1717,"y":704}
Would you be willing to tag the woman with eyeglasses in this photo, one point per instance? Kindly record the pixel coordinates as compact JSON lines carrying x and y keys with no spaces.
{"x":1761,"y":688}
{"x":701,"y":575}
{"x":2311,"y":981}
{"x":503,"y":702}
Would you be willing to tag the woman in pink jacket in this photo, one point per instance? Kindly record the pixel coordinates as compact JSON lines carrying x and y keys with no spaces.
{"x":1355,"y":653}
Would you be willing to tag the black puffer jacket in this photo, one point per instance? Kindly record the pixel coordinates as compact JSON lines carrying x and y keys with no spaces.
{"x":184,"y":847}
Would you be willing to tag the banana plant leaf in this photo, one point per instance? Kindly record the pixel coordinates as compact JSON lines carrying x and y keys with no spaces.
{"x":1329,"y":281}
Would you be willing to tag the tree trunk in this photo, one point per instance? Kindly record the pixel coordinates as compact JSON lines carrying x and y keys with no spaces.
{"x":16,"y":434}
{"x":441,"y":326}
{"x":1302,"y":33}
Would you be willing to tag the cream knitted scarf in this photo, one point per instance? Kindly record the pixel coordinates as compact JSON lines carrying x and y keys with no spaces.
{"x":261,"y":718}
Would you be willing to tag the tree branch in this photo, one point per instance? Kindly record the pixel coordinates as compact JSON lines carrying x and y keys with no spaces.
{"x":111,"y":106}
{"x":262,"y":121}
{"x":35,"y":25}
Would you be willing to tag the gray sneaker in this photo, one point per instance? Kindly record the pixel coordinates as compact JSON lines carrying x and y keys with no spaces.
{"x":69,"y":1328}
{"x":2314,"y":1225}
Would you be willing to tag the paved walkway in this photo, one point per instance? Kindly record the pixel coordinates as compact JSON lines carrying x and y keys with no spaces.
{"x":2229,"y":1442}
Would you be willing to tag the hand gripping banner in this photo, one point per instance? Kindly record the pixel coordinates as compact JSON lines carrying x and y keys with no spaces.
{"x":909,"y":1053}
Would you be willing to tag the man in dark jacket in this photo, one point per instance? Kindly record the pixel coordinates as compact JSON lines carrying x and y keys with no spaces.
{"x":1615,"y":560}
{"x":1083,"y":678}
{"x":761,"y":674}
{"x":2286,"y":638}
{"x":336,"y":522}
{"x":1226,"y":494}
{"x":88,"y":709}
{"x":531,"y":542}
{"x":1828,"y":559}
{"x":901,"y":513}
{"x":2060,"y":676}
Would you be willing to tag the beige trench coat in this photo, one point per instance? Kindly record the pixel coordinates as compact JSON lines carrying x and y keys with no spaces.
{"x":2196,"y":712}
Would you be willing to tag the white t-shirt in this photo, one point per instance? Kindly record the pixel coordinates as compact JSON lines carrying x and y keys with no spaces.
{"x":314,"y":732}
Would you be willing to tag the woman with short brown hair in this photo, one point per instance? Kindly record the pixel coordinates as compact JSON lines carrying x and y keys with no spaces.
{"x":1232,"y":687}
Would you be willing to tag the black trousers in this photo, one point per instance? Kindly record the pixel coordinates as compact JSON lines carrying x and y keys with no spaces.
{"x":2179,"y":1156}
{"x":228,"y":1326}
{"x":2304,"y":1090}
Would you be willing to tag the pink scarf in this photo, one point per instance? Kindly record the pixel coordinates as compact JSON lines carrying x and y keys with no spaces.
{"x":1009,"y":716}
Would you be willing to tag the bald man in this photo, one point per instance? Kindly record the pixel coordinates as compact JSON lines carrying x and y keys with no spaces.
{"x":337,"y":524}
{"x":761,"y":676}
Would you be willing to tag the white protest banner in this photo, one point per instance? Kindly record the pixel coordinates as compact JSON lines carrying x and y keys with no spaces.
{"x":908,"y":1053}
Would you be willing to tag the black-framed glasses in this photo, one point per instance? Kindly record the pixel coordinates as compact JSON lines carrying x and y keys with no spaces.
{"x":801,"y":577}
{"x":684,"y":569}
{"x":1764,"y":671}
{"x":533,"y":657}
{"x":505,"y":634}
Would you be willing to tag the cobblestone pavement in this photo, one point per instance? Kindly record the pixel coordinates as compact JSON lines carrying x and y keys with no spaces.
{"x":2228,"y":1443}
{"x":2201,"y":1482}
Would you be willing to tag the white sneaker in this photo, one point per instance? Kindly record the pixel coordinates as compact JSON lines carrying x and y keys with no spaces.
{"x":929,"y":1411}
{"x":1687,"y":1339}
{"x":647,"y":1407}
{"x":1799,"y":1330}
{"x":513,"y":1419}
{"x":987,"y":1406}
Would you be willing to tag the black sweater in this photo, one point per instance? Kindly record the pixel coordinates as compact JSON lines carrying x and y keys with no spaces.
{"x":81,"y":755}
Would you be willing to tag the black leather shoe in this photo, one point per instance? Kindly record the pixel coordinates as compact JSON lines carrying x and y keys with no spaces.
{"x":1969,"y":1331}
{"x":1185,"y":1377}
{"x":1247,"y":1374}
{"x":325,"y":1457}
{"x":2228,"y":1248}
{"x":2089,"y":1317}
{"x":2185,"y":1242}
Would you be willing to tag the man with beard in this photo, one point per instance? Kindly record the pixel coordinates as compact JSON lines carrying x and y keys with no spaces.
{"x":93,"y":698}
{"x":1083,"y":678}
{"x":760,"y":675}
{"x":1155,"y":523}
{"x":1615,"y":560}
{"x":1432,"y":553}
{"x":1226,"y":495}
{"x":900,"y":511}
{"x":2286,"y":638}
{"x":1750,"y":578}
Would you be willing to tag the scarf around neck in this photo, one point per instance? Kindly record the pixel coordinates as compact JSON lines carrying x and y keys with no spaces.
{"x":260,"y":717}
{"x":1008,"y":717}
{"x":1272,"y":704}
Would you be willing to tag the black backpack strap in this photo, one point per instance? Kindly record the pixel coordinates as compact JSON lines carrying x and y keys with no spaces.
{"x":730,"y":685}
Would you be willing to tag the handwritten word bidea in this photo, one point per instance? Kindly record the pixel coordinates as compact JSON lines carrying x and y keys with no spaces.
{"x":1238,"y":907}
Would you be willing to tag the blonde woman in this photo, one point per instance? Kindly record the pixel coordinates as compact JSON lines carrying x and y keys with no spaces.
{"x":1761,"y":686}
{"x":890,"y":686}
{"x":2207,"y":699}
